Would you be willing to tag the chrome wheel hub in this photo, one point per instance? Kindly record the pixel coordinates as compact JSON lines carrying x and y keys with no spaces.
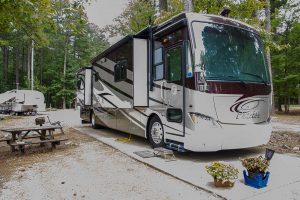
{"x":157,"y":132}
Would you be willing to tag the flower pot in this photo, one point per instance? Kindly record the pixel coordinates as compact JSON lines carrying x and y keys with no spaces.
{"x":219,"y":183}
{"x":253,"y":174}
{"x":256,"y":180}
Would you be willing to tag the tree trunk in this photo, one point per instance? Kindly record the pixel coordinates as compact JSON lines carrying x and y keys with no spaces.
{"x":28,"y":63}
{"x":268,"y":54}
{"x":32,"y":63}
{"x":74,"y":48}
{"x":65,"y":71}
{"x":279,"y":104}
{"x":286,"y":86}
{"x":17,"y":65}
{"x":24,"y":63}
{"x":163,"y":5}
{"x":5,"y":62}
{"x":41,"y":65}
{"x":188,"y":6}
{"x":286,"y":104}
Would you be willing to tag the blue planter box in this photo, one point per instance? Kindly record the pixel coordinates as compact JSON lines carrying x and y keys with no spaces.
{"x":258,"y":181}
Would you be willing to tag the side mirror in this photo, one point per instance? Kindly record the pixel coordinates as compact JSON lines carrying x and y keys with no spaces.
{"x":189,"y":62}
{"x":199,"y":70}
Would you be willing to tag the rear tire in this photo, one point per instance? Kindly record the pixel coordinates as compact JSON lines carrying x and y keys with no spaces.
{"x":156,"y":132}
{"x":93,"y":120}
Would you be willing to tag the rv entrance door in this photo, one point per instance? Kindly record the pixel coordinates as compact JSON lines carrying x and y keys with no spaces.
{"x":173,"y":89}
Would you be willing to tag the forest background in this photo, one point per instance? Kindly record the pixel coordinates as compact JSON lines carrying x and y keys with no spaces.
{"x":64,"y":40}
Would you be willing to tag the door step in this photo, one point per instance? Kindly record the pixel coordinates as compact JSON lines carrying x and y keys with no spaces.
{"x":176,"y":146}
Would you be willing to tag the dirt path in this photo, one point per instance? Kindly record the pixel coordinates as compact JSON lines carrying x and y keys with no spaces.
{"x":84,"y":169}
{"x":285,"y":137}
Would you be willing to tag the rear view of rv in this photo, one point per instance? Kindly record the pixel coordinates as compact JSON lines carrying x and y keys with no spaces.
{"x":196,"y":82}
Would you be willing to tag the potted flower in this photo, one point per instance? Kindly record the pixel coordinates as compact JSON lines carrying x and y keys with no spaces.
{"x":256,"y":175}
{"x":224,"y":175}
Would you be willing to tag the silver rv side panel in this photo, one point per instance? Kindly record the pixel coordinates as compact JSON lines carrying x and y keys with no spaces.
{"x":140,"y":75}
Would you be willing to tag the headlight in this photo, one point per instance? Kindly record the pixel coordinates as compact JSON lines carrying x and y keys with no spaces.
{"x":198,"y":118}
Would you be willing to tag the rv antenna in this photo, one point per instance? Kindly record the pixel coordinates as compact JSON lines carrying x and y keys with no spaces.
{"x":225,"y":12}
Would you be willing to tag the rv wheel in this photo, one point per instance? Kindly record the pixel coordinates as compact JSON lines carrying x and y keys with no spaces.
{"x":93,"y":120}
{"x":156,"y":132}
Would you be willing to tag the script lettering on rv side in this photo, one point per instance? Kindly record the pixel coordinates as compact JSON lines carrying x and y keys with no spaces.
{"x":248,"y":115}
{"x":247,"y":108}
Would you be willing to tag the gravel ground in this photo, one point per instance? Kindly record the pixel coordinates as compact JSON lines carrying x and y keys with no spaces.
{"x":83,"y":168}
{"x":96,"y":171}
{"x":285,"y":142}
{"x":285,"y":137}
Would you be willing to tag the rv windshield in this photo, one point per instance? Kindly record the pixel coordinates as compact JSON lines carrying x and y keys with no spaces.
{"x":229,"y":53}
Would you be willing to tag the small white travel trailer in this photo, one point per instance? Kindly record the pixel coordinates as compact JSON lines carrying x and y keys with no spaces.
{"x":22,"y":101}
{"x":196,"y":82}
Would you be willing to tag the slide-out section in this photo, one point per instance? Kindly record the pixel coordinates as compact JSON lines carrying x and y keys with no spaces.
{"x":140,"y":77}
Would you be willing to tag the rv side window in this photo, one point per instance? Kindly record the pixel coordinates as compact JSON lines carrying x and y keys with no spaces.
{"x":121,"y":71}
{"x":158,"y":69}
{"x":173,"y":59}
{"x":158,"y":56}
{"x":174,"y":115}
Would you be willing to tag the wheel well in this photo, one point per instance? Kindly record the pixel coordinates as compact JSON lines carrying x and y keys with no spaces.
{"x":148,"y":122}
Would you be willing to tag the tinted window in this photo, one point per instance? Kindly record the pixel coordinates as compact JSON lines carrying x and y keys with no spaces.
{"x":158,"y":56}
{"x":174,"y":115}
{"x":121,"y":71}
{"x":158,"y":69}
{"x":174,"y":64}
{"x":159,"y":72}
{"x":124,"y":52}
{"x":96,"y":83}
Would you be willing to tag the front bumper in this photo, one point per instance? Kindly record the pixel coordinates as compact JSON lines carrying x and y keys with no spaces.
{"x":227,"y":137}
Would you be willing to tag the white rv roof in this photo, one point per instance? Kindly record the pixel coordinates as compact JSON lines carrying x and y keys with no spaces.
{"x":216,"y":19}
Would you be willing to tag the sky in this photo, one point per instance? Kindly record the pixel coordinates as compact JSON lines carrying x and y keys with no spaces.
{"x":102,"y":12}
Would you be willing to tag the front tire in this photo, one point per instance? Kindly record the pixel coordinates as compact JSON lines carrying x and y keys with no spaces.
{"x":156,"y":133}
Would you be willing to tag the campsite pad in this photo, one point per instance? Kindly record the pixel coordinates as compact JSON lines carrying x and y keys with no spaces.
{"x":190,"y":167}
{"x":145,"y":154}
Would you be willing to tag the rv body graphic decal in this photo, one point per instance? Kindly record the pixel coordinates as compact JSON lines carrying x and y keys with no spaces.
{"x":247,"y":108}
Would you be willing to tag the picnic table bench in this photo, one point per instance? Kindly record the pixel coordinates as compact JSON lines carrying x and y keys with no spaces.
{"x":19,"y":134}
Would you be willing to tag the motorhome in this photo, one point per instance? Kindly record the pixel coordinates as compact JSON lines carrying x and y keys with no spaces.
{"x":22,"y":101}
{"x":196,"y":82}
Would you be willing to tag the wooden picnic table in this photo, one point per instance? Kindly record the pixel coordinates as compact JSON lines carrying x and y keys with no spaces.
{"x":20,"y":133}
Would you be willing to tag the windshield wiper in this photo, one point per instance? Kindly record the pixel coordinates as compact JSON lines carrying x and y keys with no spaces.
{"x":257,"y":76}
{"x":221,"y":77}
